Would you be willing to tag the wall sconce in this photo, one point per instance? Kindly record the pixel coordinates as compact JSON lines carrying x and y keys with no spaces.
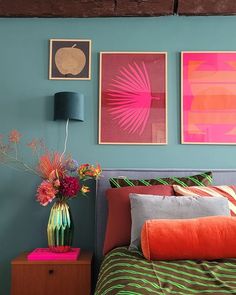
{"x":68,"y":106}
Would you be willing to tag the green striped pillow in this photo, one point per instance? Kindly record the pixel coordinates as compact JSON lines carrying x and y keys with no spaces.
{"x":203,"y":179}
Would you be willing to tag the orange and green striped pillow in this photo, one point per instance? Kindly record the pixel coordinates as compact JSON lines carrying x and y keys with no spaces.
{"x":203,"y":179}
{"x":227,"y":191}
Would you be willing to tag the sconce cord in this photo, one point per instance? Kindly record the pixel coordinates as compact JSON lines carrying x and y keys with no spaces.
{"x":66,"y":138}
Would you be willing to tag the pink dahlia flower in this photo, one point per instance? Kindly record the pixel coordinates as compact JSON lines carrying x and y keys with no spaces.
{"x":69,"y":186}
{"x":46,"y":193}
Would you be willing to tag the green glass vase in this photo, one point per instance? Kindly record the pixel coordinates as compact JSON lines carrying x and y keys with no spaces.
{"x":60,"y":228}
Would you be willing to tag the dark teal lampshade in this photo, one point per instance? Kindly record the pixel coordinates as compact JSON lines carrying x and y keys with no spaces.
{"x":69,"y":105}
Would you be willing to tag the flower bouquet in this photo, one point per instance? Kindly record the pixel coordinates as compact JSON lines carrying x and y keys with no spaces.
{"x":62,"y":179}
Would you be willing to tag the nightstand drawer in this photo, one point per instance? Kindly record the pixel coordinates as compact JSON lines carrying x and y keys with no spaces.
{"x":33,"y":278}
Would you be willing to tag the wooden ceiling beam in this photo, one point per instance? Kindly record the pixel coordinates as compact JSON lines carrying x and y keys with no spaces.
{"x":113,"y":8}
{"x":144,"y":7}
{"x":206,"y":7}
{"x":85,"y":8}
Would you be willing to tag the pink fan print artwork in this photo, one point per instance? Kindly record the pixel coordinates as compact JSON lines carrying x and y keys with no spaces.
{"x":133,"y":98}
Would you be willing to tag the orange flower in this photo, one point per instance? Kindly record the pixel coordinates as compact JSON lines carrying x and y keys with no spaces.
{"x":84,"y":189}
{"x":49,"y":163}
{"x":97,"y":171}
{"x":14,"y":136}
{"x":89,"y":171}
{"x":33,"y":144}
{"x":54,"y":178}
{"x":53,"y":175}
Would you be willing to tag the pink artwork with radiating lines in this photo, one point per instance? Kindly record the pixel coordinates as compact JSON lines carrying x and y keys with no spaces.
{"x":209,"y":97}
{"x":133,"y":98}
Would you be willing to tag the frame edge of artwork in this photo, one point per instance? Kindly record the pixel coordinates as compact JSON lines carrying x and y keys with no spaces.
{"x":51,"y":77}
{"x":165,"y":53}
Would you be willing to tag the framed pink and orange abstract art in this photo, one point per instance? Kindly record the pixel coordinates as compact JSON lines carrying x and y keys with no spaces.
{"x":208,"y":97}
{"x":133,"y":98}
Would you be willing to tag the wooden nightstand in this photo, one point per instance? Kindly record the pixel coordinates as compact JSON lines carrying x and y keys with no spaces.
{"x":51,"y":277}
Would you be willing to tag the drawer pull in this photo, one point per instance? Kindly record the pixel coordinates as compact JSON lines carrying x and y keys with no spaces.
{"x":51,"y":271}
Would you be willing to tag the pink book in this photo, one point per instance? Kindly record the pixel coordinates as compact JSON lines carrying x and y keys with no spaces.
{"x":46,"y":254}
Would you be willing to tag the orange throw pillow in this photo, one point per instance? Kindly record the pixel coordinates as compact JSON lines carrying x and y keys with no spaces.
{"x":207,"y":238}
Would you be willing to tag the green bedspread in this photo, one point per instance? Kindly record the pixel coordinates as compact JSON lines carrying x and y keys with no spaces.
{"x":124,"y":272}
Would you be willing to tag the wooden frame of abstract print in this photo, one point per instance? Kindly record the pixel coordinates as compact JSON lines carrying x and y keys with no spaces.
{"x":208,"y":99}
{"x":70,"y":59}
{"x":133,"y":98}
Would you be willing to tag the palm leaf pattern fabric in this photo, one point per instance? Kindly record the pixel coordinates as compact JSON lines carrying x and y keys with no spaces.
{"x":124,"y":272}
{"x":203,"y":179}
{"x":130,"y":97}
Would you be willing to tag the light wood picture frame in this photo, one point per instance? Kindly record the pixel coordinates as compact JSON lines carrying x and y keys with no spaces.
{"x":69,"y":59}
{"x":133,"y":98}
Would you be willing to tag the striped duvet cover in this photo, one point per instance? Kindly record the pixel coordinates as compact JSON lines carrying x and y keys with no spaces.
{"x":124,"y":272}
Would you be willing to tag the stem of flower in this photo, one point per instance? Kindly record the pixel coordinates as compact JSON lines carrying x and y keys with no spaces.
{"x":26,"y":166}
{"x":16,"y":149}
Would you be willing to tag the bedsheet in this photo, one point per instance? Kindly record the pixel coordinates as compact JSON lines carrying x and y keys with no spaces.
{"x":126,"y":272}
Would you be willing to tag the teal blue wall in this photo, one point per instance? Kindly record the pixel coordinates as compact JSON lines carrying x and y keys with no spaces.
{"x":26,"y":104}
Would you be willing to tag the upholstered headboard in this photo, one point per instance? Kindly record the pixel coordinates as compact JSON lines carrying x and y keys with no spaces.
{"x":220,"y":176}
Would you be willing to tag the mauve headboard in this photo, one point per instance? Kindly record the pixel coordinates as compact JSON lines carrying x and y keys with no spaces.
{"x":220,"y":176}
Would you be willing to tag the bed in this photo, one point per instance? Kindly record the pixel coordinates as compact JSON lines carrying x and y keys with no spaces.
{"x":124,"y":272}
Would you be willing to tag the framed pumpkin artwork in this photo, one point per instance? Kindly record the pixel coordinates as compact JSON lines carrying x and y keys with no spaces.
{"x":133,"y":98}
{"x":70,"y":59}
{"x":208,"y":97}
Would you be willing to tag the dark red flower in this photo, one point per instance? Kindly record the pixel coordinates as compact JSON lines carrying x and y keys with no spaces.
{"x":69,"y":186}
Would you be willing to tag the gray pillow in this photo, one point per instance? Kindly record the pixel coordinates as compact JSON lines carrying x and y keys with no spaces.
{"x":145,"y":207}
